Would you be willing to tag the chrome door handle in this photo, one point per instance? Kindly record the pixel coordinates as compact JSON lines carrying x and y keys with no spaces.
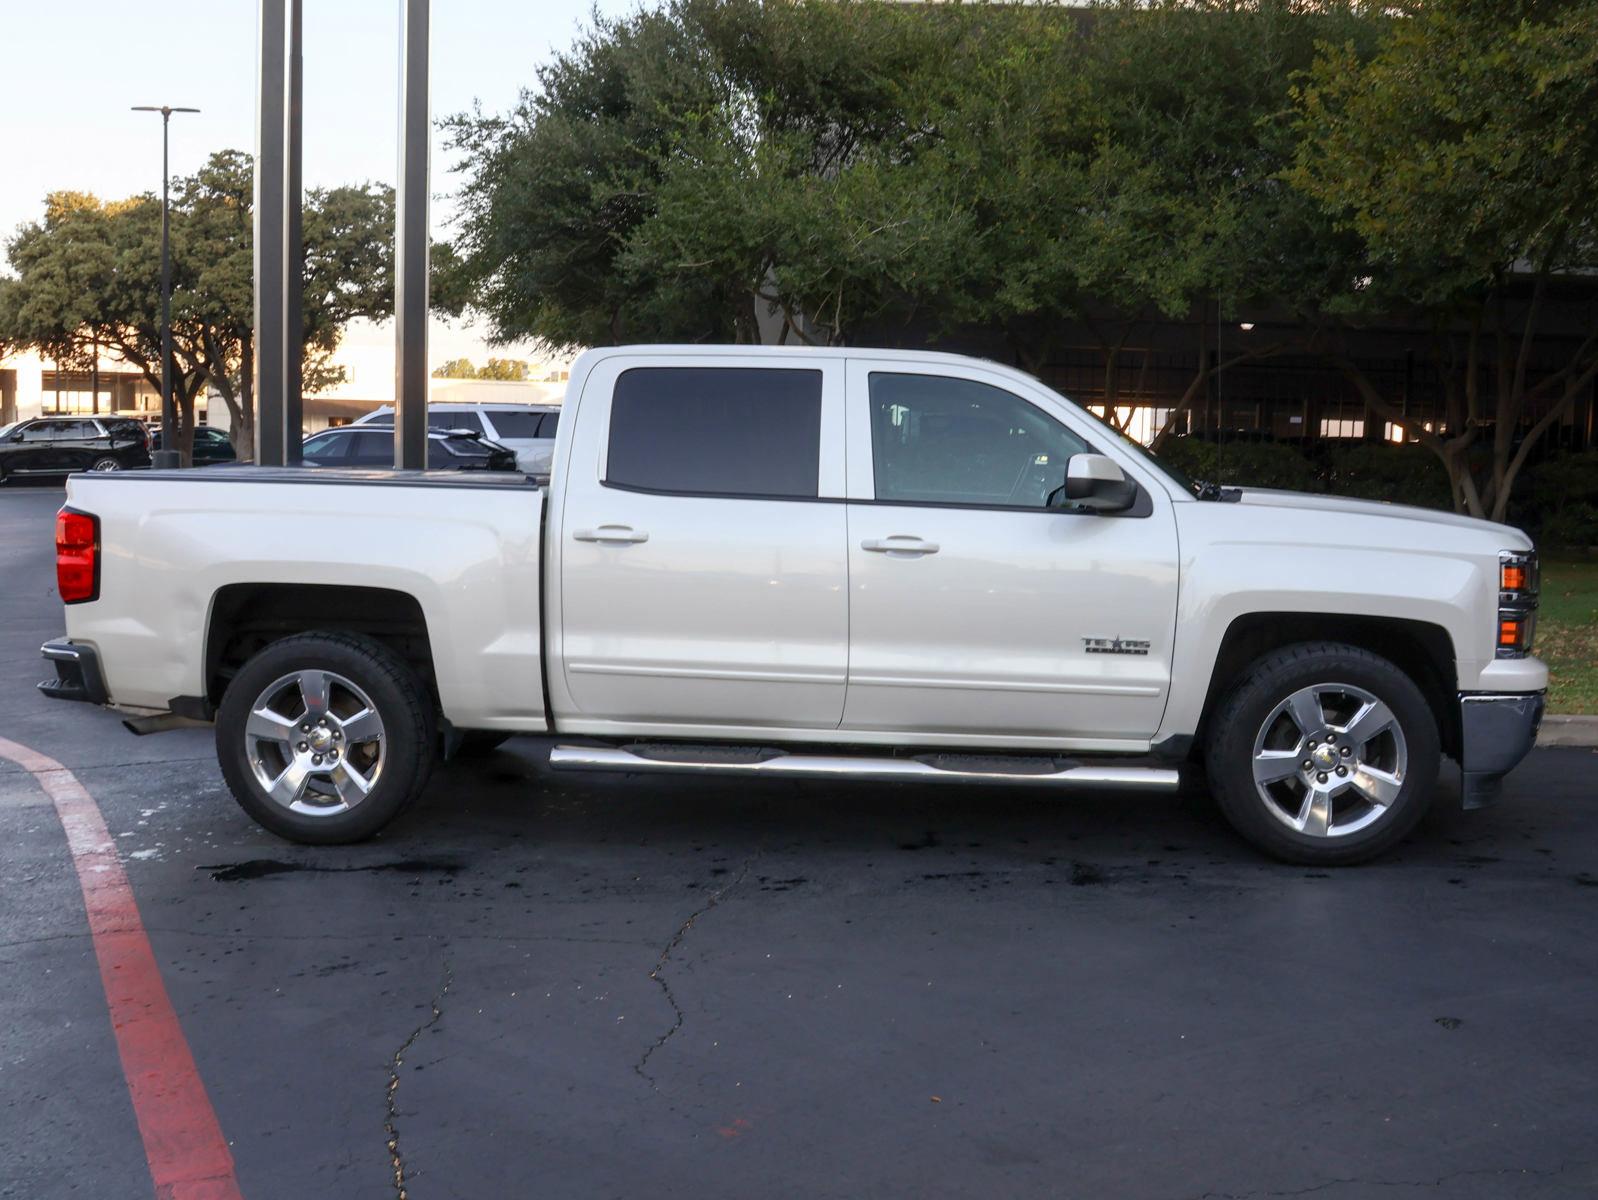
{"x":614,"y":534}
{"x":899,"y":543}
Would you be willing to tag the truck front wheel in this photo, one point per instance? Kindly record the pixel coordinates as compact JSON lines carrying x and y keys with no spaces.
{"x":1324,"y":754}
{"x":325,"y":738}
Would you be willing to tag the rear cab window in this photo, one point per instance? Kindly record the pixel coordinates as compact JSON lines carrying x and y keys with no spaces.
{"x":716,"y":431}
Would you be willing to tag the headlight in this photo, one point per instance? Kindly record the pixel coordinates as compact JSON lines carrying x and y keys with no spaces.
{"x":1518,"y":584}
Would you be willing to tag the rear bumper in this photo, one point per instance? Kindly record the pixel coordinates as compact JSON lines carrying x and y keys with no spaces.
{"x":1497,"y":730}
{"x":77,"y":672}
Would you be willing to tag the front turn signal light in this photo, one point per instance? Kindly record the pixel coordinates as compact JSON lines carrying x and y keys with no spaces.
{"x":1517,"y":574}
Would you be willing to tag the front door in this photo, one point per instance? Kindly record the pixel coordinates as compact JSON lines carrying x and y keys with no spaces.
{"x":977,"y":611}
{"x":702,"y":543}
{"x":35,"y":449}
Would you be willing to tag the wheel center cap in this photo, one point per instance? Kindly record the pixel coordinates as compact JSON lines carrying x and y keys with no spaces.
{"x":1324,"y":757}
{"x":320,"y":739}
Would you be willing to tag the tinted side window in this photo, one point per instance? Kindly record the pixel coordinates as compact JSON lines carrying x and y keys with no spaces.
{"x":548,"y":425}
{"x":955,"y":441}
{"x":509,"y":424}
{"x":39,"y":431}
{"x":371,"y":449}
{"x":720,"y":431}
{"x":77,"y":431}
{"x":455,"y":420}
{"x":329,"y":449}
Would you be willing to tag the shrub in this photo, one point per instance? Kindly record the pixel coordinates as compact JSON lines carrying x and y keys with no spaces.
{"x":1561,"y":500}
{"x":1398,"y":474}
{"x":1243,"y":464}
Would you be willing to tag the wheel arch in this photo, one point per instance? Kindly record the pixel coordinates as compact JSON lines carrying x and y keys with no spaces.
{"x":1422,"y":650}
{"x":245,"y":617}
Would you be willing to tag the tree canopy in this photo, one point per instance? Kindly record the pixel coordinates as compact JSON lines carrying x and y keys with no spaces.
{"x":712,"y":169}
{"x":88,"y":274}
{"x":513,"y":369}
{"x":1464,"y":156}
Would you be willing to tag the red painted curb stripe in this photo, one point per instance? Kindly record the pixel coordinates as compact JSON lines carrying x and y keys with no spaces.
{"x":189,"y":1159}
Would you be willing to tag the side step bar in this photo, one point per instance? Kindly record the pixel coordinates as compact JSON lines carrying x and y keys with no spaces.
{"x":930,"y":768}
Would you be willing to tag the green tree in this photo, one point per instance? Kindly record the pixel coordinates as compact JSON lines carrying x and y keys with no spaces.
{"x":852,"y":166}
{"x":512,"y":369}
{"x":348,"y":274}
{"x":456,"y":368}
{"x":89,"y":273}
{"x":1464,"y":156}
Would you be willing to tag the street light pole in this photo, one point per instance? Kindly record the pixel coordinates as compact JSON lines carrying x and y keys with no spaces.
{"x":168,"y":455}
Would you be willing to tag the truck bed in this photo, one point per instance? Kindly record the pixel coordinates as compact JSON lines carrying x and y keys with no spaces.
{"x":457,"y":553}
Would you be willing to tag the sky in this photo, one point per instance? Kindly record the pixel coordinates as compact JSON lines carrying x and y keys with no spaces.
{"x":72,"y":71}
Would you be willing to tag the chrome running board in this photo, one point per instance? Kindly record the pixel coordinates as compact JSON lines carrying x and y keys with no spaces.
{"x":929,"y":768}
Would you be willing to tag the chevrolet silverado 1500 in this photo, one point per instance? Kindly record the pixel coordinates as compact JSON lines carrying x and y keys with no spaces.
{"x":811,"y":564}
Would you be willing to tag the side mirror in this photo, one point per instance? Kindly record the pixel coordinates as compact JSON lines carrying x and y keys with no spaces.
{"x":16,"y":437}
{"x":1096,"y":482}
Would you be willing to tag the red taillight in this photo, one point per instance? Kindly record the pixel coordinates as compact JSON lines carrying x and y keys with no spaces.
{"x":77,"y":556}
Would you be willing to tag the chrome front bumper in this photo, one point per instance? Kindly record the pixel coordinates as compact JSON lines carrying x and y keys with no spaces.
{"x":1497,"y":730}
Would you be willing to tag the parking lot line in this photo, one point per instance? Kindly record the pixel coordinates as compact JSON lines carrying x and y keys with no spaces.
{"x":188,"y":1156}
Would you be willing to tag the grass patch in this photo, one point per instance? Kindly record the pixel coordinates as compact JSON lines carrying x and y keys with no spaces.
{"x":1567,"y":635}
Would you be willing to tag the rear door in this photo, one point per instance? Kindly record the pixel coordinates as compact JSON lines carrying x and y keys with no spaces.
{"x":702,"y":546}
{"x":79,"y":443}
{"x":371,"y":448}
{"x":976,"y":610}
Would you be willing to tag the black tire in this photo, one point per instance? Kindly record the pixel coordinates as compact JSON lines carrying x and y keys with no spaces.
{"x":1407,"y":753}
{"x":477,"y":742}
{"x":407,"y":733}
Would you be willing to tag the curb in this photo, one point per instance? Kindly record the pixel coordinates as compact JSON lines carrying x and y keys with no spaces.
{"x":1568,"y":731}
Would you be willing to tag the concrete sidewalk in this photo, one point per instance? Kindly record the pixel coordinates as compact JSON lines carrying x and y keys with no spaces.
{"x":1568,"y":731}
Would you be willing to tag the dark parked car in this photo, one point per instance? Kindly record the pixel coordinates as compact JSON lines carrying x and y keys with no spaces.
{"x":373,"y":446}
{"x":62,"y":445}
{"x":210,"y":445}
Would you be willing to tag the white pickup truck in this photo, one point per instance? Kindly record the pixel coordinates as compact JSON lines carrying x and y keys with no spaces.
{"x":815,"y":564}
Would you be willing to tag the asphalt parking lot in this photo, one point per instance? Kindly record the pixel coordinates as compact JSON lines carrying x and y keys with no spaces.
{"x":585,"y":986}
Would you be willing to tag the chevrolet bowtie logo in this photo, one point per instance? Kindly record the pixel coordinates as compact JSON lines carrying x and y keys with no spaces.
{"x":1115,"y":645}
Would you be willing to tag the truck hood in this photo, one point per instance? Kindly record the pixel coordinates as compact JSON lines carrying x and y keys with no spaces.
{"x":1509,"y":537}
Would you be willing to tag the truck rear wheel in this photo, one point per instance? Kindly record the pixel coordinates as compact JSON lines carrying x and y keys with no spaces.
{"x":325,"y":738}
{"x":1324,"y":754}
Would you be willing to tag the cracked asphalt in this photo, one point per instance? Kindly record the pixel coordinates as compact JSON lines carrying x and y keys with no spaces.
{"x":570,"y":986}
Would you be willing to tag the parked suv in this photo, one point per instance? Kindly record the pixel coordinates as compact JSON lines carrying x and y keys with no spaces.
{"x":211,"y":445}
{"x":62,"y":445}
{"x":372,"y":448}
{"x":525,"y":429}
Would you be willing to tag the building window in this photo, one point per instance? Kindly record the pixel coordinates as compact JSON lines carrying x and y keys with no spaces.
{"x":1342,"y":427}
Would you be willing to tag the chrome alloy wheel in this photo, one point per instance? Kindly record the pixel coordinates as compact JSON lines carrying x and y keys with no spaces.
{"x":315,"y":743}
{"x":105,"y":464}
{"x":1330,"y":760}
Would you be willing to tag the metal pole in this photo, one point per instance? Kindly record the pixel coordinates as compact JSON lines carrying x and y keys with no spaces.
{"x":410,"y":245}
{"x":168,"y":456}
{"x":269,"y":239}
{"x":293,"y":245}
